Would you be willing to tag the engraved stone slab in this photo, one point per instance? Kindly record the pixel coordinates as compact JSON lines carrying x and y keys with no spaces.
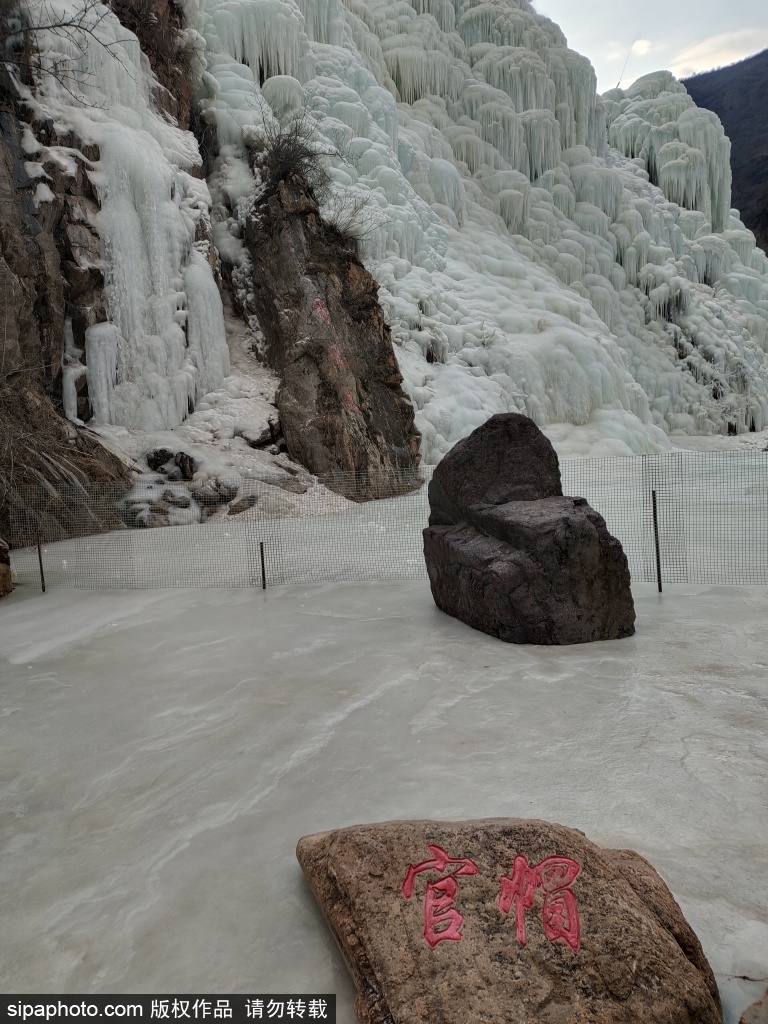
{"x":503,"y":920}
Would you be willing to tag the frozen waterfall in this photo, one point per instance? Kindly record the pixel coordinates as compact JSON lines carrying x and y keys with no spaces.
{"x":538,"y":248}
{"x":165,"y":345}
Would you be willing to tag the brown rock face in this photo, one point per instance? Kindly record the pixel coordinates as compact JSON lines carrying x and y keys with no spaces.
{"x":342,"y":409}
{"x":49,"y":274}
{"x":505,"y":920}
{"x":157,"y":24}
{"x":509,"y":555}
{"x":6,"y":582}
{"x":50,"y":256}
{"x":757,"y":1013}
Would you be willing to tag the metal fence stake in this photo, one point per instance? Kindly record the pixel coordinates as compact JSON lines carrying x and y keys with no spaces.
{"x":40,"y":562}
{"x":263,"y":572}
{"x":656,"y":540}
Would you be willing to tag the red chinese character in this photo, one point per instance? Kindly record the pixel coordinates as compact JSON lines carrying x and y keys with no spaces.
{"x":441,"y":920}
{"x":560,"y":913}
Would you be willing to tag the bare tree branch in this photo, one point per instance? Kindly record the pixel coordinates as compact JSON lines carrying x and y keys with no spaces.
{"x":26,"y":27}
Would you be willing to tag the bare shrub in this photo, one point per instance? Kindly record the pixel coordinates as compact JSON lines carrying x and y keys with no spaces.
{"x":293,"y":149}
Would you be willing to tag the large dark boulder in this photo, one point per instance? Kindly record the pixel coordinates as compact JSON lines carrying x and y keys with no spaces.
{"x":503,"y":920}
{"x":506,"y":459}
{"x":508,"y":554}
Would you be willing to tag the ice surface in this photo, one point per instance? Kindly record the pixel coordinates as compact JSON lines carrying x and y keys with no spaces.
{"x":161,"y":753}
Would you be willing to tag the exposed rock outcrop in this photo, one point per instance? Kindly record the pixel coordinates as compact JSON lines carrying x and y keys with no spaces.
{"x":341,"y":405}
{"x":505,"y":919}
{"x":508,"y":554}
{"x":158,"y":25}
{"x":6,"y":581}
{"x":50,"y":289}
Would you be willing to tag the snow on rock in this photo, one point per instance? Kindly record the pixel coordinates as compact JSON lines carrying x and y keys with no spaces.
{"x":230,"y":444}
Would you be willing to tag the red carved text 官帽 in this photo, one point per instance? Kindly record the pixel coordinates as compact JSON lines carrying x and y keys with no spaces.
{"x":442,"y":922}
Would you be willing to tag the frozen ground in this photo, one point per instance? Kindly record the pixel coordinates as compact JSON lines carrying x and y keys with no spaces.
{"x":161,"y":752}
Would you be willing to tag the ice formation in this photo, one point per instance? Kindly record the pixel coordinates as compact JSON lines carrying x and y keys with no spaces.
{"x":538,"y":248}
{"x":165,"y":346}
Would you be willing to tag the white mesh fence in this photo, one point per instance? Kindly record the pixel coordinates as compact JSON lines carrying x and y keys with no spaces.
{"x":712,"y":524}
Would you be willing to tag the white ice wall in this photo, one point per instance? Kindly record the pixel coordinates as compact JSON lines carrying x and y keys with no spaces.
{"x":537,"y":247}
{"x":165,"y":344}
{"x":524,"y":262}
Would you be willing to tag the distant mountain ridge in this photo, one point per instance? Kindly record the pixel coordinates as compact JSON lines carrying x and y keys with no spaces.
{"x":739,"y":96}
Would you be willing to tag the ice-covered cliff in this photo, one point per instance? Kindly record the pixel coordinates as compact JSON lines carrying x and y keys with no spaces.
{"x":538,"y":248}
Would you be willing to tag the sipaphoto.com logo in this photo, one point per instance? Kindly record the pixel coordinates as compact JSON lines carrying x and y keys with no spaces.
{"x":65,"y":1009}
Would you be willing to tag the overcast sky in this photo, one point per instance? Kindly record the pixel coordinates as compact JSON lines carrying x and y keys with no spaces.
{"x":684,"y":36}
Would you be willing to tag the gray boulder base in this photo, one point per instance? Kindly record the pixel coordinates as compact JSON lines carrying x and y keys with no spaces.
{"x":505,"y":921}
{"x":510,"y":555}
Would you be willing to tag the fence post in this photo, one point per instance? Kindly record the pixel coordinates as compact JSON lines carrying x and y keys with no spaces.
{"x":656,"y":540}
{"x":263,"y":572}
{"x":40,"y":563}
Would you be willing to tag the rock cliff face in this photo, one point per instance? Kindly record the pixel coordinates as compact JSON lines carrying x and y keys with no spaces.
{"x":50,"y":293}
{"x":157,"y":25}
{"x":342,"y":408}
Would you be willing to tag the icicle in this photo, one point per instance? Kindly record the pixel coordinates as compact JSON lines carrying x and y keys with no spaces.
{"x":284,"y":94}
{"x":542,"y":139}
{"x":72,"y":371}
{"x":102,"y":345}
{"x":419,"y":72}
{"x":150,"y":206}
{"x":522,"y":75}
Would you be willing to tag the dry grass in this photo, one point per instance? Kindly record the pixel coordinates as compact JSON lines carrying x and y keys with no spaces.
{"x":48,"y":467}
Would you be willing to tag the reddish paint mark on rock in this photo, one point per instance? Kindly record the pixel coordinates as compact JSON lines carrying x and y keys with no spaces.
{"x":349,"y":398}
{"x":338,"y":358}
{"x":321,"y":312}
{"x":442,"y":921}
{"x":560,"y":913}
